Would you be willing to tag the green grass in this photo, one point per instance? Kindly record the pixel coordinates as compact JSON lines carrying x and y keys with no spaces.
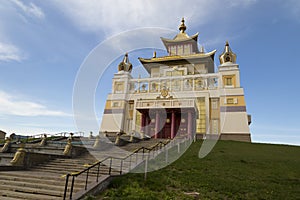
{"x":233,"y":170}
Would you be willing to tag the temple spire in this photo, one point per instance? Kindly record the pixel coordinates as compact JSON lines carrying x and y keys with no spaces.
{"x":125,"y":65}
{"x":182,"y":26}
{"x":227,"y":55}
{"x":125,"y":59}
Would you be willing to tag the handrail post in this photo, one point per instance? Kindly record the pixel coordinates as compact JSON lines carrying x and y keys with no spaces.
{"x":98,"y":172}
{"x":86,"y":180}
{"x":143,"y":152}
{"x":66,"y":186}
{"x":166,"y":154}
{"x":153,"y":151}
{"x":109,"y":172}
{"x":72,"y":186}
{"x":146,"y":167}
{"x":121,"y":167}
{"x":130,"y":162}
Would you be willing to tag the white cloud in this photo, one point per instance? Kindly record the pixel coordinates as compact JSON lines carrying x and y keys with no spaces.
{"x":31,"y":9}
{"x":113,"y":16}
{"x":10,"y":105}
{"x":9,"y":52}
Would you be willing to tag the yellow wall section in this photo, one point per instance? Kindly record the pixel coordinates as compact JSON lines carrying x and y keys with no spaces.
{"x":201,"y":121}
{"x":240,"y":101}
{"x":108,"y":104}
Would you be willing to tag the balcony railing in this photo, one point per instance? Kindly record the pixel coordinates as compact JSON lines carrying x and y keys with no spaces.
{"x":175,"y":84}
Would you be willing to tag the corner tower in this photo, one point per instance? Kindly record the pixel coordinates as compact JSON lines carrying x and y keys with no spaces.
{"x":234,"y":119}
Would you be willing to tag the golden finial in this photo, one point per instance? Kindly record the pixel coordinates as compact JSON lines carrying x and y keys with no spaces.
{"x":154,"y":54}
{"x":182,"y":26}
{"x":125,"y":65}
{"x":227,"y":55}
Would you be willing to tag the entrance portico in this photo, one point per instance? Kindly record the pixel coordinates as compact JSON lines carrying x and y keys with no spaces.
{"x":167,"y":118}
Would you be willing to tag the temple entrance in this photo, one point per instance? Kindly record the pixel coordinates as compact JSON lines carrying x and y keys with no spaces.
{"x":167,"y":123}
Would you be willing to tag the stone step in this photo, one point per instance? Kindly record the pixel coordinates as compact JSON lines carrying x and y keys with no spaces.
{"x":55,"y":179}
{"x":72,"y":162}
{"x":7,"y":155}
{"x":79,"y":184}
{"x":53,"y":193}
{"x":30,"y":174}
{"x":102,"y":169}
{"x":27,"y":184}
{"x":10,"y":198}
{"x":64,"y":172}
{"x":36,"y":180}
{"x":21,"y":195}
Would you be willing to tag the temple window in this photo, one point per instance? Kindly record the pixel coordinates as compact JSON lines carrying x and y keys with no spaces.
{"x":228,"y":81}
{"x":173,"y":50}
{"x":187,"y":49}
{"x":174,"y":72}
{"x":180,"y":50}
{"x":177,"y":73}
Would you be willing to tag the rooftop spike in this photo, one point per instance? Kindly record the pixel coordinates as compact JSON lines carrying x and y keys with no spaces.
{"x":227,"y":55}
{"x":182,"y":26}
{"x":125,"y":65}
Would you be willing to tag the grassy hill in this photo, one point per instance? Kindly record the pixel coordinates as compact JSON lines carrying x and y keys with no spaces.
{"x":233,"y":170}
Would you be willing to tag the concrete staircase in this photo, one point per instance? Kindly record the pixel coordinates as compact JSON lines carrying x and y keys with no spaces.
{"x":47,"y":180}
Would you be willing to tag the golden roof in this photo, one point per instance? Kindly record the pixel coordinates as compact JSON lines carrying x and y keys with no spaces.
{"x":182,"y":37}
{"x":177,"y":57}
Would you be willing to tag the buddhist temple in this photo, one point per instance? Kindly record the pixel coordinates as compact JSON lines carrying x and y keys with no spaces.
{"x":183,"y":95}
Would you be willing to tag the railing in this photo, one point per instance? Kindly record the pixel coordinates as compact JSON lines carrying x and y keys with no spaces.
{"x":176,"y":83}
{"x":33,"y":138}
{"x":110,"y":159}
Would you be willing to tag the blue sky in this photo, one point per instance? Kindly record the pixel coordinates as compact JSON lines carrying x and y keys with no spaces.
{"x":44,"y":43}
